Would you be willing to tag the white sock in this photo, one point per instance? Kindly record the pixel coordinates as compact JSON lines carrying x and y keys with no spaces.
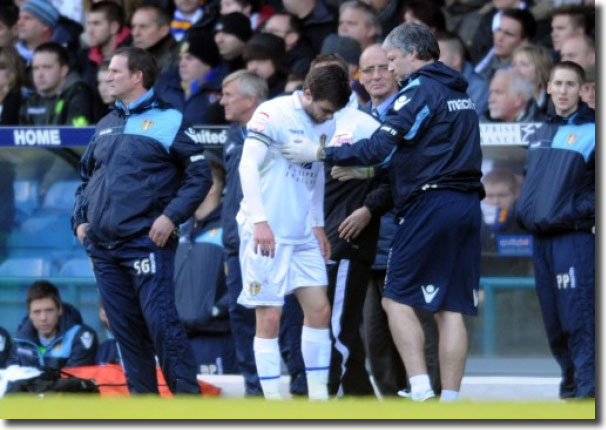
{"x":449,"y":396}
{"x":315,"y":348}
{"x":419,"y":383}
{"x":267,"y":359}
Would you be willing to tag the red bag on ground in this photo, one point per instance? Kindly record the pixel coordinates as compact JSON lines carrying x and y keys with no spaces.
{"x":111,"y":380}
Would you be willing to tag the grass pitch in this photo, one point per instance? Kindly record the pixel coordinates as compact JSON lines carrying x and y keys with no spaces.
{"x":94,"y":407}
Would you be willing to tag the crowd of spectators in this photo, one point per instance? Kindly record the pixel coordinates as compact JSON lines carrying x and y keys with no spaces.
{"x":54,"y":57}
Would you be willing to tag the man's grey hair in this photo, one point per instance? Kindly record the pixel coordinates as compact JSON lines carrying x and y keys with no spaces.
{"x":369,"y":13}
{"x":410,"y":37}
{"x":249,"y":84}
{"x":517,"y":83}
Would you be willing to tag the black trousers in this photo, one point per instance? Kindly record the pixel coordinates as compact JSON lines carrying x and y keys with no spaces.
{"x":386,"y":365}
{"x":347,"y":283}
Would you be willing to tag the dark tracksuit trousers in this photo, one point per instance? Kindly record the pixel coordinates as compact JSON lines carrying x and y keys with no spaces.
{"x":135,"y":280}
{"x":565,"y":283}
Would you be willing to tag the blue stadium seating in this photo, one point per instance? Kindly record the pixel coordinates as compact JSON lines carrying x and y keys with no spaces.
{"x":26,"y":266}
{"x":60,"y":196}
{"x":46,"y":230}
{"x":78,"y":268}
{"x":27,"y":198}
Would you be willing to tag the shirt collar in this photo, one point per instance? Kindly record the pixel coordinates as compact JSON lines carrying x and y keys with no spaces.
{"x":385,"y":105}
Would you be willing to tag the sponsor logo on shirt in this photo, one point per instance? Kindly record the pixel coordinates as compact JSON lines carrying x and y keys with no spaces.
{"x":429,"y":292}
{"x":86,"y":339}
{"x":460,"y":104}
{"x":401,"y":102}
{"x":572,"y":138}
{"x":146,"y":124}
{"x":254,"y":288}
{"x":259,"y":121}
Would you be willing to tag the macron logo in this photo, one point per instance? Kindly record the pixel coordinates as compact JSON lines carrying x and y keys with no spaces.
{"x":429,"y":292}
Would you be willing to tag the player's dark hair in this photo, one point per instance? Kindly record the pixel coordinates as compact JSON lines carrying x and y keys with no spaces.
{"x":329,"y":83}
{"x":569,"y":65}
{"x":329,"y":58}
{"x":42,"y":290}
{"x":138,"y":59}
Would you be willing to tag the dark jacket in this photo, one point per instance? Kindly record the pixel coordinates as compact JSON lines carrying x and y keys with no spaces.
{"x":558,"y":194}
{"x":6,"y":346}
{"x":202,"y":107}
{"x":72,"y":106}
{"x":430,"y":138}
{"x":317,"y":25}
{"x":75,"y":345}
{"x":165,"y":52}
{"x":140,"y":163}
{"x":11,"y":106}
{"x":299,"y":58}
{"x":232,"y":154}
{"x":200,"y":292}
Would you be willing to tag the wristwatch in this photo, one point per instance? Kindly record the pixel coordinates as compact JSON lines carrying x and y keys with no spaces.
{"x":321,"y":154}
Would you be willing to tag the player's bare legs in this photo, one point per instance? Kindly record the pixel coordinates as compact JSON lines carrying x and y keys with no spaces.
{"x":409,"y":338}
{"x":315,"y":339}
{"x":453,"y":349}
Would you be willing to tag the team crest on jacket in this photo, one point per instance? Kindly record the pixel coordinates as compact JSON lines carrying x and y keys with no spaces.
{"x":572,"y":138}
{"x":147,"y":124}
{"x":400,"y":102}
{"x":86,"y":339}
{"x":254,"y":288}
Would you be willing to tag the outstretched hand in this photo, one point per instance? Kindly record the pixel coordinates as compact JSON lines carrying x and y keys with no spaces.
{"x":300,"y":151}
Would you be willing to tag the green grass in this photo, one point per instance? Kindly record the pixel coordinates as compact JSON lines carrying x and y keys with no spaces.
{"x":91,"y":407}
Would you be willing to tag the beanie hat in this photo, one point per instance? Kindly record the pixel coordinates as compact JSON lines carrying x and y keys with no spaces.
{"x":201,"y":44}
{"x":235,"y":23}
{"x":43,"y":10}
{"x":265,"y":46}
{"x":346,"y":47}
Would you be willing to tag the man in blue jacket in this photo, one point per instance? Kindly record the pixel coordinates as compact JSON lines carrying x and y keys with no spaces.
{"x":557,"y":205}
{"x":142,"y":175}
{"x":53,"y":335}
{"x":430,"y":143}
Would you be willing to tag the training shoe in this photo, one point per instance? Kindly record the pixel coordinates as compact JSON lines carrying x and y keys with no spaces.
{"x":421,"y":397}
{"x":404,"y":392}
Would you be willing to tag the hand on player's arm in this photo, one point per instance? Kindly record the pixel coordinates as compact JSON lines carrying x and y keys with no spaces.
{"x":347,"y":173}
{"x":353,"y":225}
{"x":263,"y":239}
{"x":161,"y":230}
{"x":322,"y":241}
{"x":302,"y":151}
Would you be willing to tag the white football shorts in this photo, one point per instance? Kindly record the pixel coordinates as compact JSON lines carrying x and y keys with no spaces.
{"x":266,"y":280}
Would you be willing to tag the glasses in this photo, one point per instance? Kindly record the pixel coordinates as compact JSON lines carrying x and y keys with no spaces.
{"x":383,"y":68}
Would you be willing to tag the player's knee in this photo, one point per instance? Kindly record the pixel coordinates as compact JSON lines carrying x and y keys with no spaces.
{"x":319,"y":316}
{"x":268,"y":322}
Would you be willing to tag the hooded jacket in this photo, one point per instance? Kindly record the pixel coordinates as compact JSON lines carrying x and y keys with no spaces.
{"x":558,"y":194}
{"x":430,"y":138}
{"x":140,"y":163}
{"x":75,"y":344}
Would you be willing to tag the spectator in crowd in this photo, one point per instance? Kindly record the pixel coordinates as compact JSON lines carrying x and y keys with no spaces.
{"x":502,"y":191}
{"x":579,"y":49}
{"x":263,"y":55}
{"x":298,"y":53}
{"x":6,"y":348}
{"x":194,"y":86}
{"x":490,"y":22}
{"x":511,"y":99}
{"x":9,"y":16}
{"x":534,"y":63}
{"x":349,"y":50}
{"x":557,"y":205}
{"x":385,"y":363}
{"x":187,"y":13}
{"x":51,"y":337}
{"x":588,"y":88}
{"x":108,"y":352}
{"x":150,"y":27}
{"x":318,"y":20}
{"x":106,"y":32}
{"x":129,"y":233}
{"x":424,"y":12}
{"x":232,"y":31}
{"x":251,"y":8}
{"x":360,"y":22}
{"x":568,"y":21}
{"x":59,"y":97}
{"x":516,"y":28}
{"x":12,"y":81}
{"x":453,"y":54}
{"x":388,"y":11}
{"x":37,"y":20}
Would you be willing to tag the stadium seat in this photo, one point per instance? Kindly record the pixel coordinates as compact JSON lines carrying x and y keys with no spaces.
{"x":26,"y":266}
{"x":27,"y":197}
{"x":46,"y":230}
{"x":77,"y":268}
{"x":60,"y":195}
